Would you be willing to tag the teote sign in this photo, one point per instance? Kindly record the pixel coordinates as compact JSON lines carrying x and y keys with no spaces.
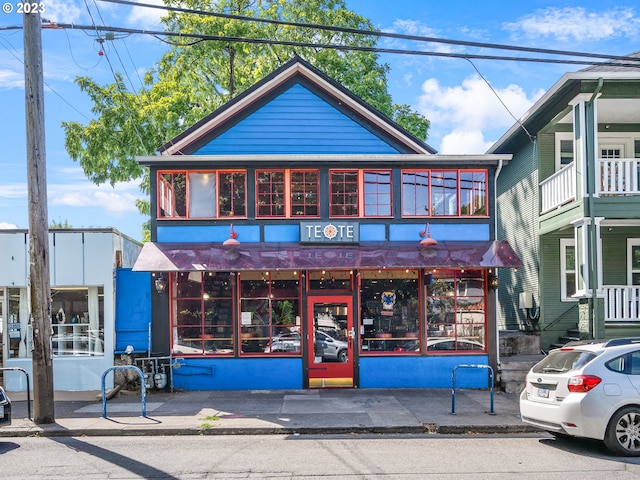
{"x":333,"y":232}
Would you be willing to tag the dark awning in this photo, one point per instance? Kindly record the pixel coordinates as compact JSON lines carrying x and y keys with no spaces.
{"x":159,"y":257}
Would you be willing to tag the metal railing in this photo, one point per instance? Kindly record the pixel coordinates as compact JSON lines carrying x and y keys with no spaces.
{"x":453,"y":385}
{"x":4,"y":369}
{"x":143,"y":390}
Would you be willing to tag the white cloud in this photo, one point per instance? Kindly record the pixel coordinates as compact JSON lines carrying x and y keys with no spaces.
{"x":14,"y":190}
{"x":463,"y":116}
{"x":146,"y":18}
{"x":7,"y":226}
{"x":576,"y":23}
{"x":63,"y":11}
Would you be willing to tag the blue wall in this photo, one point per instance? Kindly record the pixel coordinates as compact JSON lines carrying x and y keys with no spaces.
{"x":133,"y":310}
{"x":286,"y":373}
{"x":297,"y":121}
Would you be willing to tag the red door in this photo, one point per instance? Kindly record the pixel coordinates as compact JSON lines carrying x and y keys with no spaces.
{"x":330,"y":341}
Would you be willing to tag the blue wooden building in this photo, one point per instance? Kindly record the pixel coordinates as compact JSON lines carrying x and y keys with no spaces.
{"x":300,"y":239}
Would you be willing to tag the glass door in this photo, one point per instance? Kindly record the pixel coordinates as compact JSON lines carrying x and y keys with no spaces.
{"x":330,"y":341}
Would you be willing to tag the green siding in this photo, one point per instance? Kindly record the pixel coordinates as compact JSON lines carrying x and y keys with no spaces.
{"x":517,"y":207}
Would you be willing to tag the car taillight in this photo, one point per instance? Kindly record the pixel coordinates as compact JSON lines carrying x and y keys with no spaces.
{"x":583,"y":383}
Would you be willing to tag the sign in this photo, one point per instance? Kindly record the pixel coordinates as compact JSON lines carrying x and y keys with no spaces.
{"x":329,"y":232}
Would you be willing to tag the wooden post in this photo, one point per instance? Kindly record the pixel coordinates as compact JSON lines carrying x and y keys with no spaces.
{"x":39,"y":285}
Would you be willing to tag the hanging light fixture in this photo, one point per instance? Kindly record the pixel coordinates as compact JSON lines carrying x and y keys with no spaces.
{"x":427,"y":241}
{"x":231,"y":241}
{"x":161,"y":284}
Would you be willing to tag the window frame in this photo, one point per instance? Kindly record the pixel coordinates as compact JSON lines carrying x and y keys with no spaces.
{"x":631,"y":243}
{"x":304,"y":188}
{"x":565,"y":270}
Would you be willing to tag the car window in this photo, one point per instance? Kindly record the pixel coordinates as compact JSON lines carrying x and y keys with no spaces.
{"x":629,"y":363}
{"x":560,"y":361}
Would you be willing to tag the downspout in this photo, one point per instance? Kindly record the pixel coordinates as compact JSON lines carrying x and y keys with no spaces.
{"x":495,"y":237}
{"x":593,"y":264}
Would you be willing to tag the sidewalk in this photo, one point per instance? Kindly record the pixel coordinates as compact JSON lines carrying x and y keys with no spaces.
{"x":274,"y":412}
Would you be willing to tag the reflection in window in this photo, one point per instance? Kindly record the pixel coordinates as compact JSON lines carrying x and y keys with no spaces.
{"x":330,"y":280}
{"x":270,"y":313}
{"x":377,"y":193}
{"x":202,"y":313}
{"x":456,"y":312}
{"x":473,"y":193}
{"x":270,"y":194}
{"x":390,"y":316}
{"x":232,"y":200}
{"x":444,"y":193}
{"x":304,"y":193}
{"x":172,"y":194}
{"x":344,"y":193}
{"x":415,"y":193}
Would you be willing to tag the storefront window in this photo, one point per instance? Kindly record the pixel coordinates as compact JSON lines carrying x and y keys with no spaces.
{"x":203,"y":313}
{"x":77,"y":322}
{"x":390,"y":316}
{"x":322,"y":280}
{"x":456,"y":313}
{"x":270,"y":313}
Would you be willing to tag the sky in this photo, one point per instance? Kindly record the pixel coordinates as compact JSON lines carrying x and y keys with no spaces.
{"x":469,"y":105}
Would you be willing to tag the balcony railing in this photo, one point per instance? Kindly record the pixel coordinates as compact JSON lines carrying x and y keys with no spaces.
{"x":619,"y":176}
{"x":621,"y":303}
{"x":559,"y":188}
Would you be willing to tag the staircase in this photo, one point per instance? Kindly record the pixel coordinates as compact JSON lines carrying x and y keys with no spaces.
{"x":513,"y":371}
{"x":573,"y":334}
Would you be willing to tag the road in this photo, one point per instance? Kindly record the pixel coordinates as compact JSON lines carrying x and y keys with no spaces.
{"x":322,"y":457}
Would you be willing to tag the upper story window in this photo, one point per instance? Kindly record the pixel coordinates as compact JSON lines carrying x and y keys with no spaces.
{"x":633,"y":261}
{"x":201,"y":194}
{"x":287,"y":193}
{"x":444,"y":193}
{"x":567,"y":269}
{"x":356,"y":191}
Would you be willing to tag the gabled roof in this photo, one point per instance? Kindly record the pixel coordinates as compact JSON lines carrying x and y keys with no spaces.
{"x":296,"y":70}
{"x":554,"y":103}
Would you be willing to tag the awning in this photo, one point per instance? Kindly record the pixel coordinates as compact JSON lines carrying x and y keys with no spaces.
{"x":175,"y":257}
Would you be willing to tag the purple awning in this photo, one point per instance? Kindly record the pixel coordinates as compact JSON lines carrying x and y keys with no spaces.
{"x":166,"y":257}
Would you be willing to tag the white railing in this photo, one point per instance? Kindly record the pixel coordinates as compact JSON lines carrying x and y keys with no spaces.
{"x":558,"y":189}
{"x":619,"y":176}
{"x":621,"y":303}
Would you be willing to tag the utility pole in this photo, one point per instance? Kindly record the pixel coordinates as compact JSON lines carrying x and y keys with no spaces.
{"x":39,"y":285}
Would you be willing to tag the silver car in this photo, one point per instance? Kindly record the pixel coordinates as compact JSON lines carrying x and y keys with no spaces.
{"x":588,"y":389}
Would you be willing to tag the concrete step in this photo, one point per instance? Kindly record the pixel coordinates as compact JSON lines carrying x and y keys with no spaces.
{"x":513,"y":371}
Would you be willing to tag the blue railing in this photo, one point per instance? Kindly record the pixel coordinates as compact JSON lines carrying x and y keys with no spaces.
{"x":453,"y":385}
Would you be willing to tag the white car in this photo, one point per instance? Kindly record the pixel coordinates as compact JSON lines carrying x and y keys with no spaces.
{"x":588,"y":389}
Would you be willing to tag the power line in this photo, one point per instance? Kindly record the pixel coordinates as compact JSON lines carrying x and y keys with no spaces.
{"x":357,"y":31}
{"x":465,"y":56}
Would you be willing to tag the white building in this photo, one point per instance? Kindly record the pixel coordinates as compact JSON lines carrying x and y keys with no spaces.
{"x":83,"y":265}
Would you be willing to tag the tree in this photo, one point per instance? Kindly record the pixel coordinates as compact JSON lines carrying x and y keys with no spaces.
{"x":193,"y":79}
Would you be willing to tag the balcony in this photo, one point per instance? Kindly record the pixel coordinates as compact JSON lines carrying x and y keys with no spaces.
{"x":618,"y":177}
{"x":621,"y":303}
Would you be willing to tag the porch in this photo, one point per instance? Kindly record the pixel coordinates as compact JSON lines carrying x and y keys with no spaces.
{"x":621,"y":303}
{"x":618,"y":177}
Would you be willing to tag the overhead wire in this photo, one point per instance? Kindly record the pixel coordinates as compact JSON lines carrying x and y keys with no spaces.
{"x":377,"y":33}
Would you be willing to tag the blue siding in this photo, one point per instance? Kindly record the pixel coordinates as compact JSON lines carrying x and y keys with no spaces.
{"x":441,"y":232}
{"x":282,"y":233}
{"x":133,"y":310}
{"x":373,"y":233}
{"x":297,"y":121}
{"x":287,"y":373}
{"x":238,"y":374}
{"x":422,"y":372}
{"x":206,"y":233}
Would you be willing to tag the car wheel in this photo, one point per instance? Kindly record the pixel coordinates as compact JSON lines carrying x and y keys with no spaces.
{"x":623,"y":432}
{"x":343,"y":356}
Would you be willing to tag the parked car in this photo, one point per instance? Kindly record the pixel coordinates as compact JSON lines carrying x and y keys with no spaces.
{"x":5,"y":408}
{"x":327,"y":347}
{"x":443,"y":344}
{"x":588,"y":389}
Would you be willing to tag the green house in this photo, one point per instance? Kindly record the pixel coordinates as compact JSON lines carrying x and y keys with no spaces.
{"x":569,"y":204}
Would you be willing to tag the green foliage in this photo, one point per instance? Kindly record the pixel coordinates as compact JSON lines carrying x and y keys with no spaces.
{"x":60,"y":224}
{"x":194,"y":78}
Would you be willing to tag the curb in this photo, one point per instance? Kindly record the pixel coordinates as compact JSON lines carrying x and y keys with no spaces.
{"x":432,"y":429}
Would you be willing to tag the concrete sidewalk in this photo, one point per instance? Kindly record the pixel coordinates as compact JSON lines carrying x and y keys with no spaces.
{"x":274,"y":412}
